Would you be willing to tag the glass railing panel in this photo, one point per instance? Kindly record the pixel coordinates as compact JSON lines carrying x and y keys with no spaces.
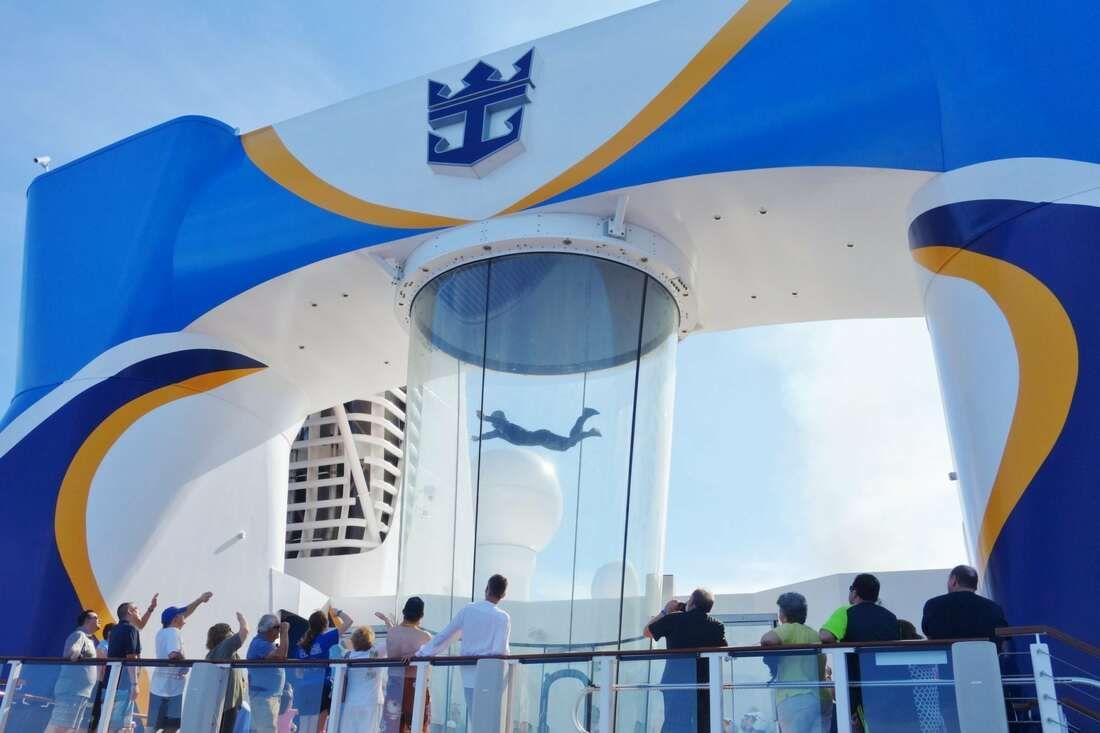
{"x":375,"y":694}
{"x":294,"y":696}
{"x":547,"y":695}
{"x":778,"y":690}
{"x":658,"y":694}
{"x":747,"y":701}
{"x":904,"y":690}
{"x":55,"y":694}
{"x":450,"y":688}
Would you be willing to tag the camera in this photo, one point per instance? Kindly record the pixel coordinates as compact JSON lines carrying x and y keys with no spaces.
{"x":43,"y":160}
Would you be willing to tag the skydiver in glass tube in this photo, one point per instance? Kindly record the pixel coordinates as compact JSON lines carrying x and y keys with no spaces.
{"x":508,"y":431}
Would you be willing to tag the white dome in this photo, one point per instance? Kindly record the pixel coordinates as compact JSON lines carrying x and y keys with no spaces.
{"x":608,"y":581}
{"x":519,"y":499}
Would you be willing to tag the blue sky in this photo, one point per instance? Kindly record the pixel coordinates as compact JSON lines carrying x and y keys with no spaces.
{"x":819,"y":448}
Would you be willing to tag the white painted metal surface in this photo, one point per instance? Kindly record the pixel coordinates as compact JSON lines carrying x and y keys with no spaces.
{"x":838,"y":662}
{"x":716,"y":680}
{"x":14,"y":669}
{"x":606,"y":672}
{"x":558,"y":232}
{"x":1045,"y":691}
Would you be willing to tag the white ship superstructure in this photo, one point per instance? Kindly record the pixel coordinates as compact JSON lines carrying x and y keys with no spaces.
{"x":345,"y":467}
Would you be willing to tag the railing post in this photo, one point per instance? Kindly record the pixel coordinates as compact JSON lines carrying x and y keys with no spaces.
{"x":114,"y":671}
{"x":716,"y":682}
{"x":838,"y":660}
{"x":336,"y":709}
{"x":1049,"y":711}
{"x":419,"y":692}
{"x":510,"y":692}
{"x":605,"y":695}
{"x":9,"y":693}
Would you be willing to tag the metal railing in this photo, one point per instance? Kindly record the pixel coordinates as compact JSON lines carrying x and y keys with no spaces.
{"x":1049,"y":686}
{"x":608,"y":683}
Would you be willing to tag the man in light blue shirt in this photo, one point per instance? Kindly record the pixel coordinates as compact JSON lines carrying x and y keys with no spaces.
{"x":265,"y":682}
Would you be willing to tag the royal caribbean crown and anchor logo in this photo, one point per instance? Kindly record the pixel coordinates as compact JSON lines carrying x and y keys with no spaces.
{"x":484,"y":95}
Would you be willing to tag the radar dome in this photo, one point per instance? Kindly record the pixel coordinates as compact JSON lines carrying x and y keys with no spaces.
{"x":608,"y":581}
{"x":519,"y":499}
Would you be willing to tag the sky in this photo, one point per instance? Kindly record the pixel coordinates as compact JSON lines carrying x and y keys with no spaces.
{"x":818,"y":448}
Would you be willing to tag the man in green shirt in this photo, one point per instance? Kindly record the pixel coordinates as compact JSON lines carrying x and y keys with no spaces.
{"x":800,"y":709}
{"x":863,"y":619}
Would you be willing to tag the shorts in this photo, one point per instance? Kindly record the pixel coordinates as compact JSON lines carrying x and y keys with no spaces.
{"x":70,"y":711}
{"x":165,"y":712}
{"x":264,"y":713}
{"x":122,"y":715}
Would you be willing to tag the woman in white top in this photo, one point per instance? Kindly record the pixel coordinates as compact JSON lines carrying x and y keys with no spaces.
{"x":363,"y":702}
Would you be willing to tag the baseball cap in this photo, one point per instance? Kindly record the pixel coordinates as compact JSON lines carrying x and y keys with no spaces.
{"x":170,"y":613}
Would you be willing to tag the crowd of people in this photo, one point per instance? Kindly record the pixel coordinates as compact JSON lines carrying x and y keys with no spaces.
{"x":958,"y":614}
{"x":377,"y":699}
{"x":374,"y":699}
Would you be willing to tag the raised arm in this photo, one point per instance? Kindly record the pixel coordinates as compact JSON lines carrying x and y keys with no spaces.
{"x":387,"y":619}
{"x":673,"y":606}
{"x":196,"y":603}
{"x":343,"y":621}
{"x":148,"y":612}
{"x":280,"y":651}
{"x":242,"y":627}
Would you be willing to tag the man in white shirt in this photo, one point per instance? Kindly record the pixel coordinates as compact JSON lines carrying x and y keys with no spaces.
{"x":166,"y":686}
{"x":484,"y":629}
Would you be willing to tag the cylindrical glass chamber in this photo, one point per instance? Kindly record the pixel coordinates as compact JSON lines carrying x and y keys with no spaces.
{"x":540,"y":396}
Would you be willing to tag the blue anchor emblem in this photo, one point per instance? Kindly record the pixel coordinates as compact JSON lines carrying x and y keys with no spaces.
{"x":484,"y":93}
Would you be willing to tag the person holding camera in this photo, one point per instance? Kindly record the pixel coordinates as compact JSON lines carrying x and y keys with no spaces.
{"x":687,"y":626}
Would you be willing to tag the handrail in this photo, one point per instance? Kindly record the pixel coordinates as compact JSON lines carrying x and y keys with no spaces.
{"x":623,"y":654}
{"x":1067,"y":639}
{"x":1080,"y":709}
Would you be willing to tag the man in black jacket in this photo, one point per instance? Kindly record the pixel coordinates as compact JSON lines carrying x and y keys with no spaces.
{"x":961,"y":613}
{"x":687,"y":626}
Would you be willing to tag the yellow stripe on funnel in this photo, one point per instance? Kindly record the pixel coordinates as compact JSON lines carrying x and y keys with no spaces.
{"x":70,"y":515}
{"x":1046,"y":347}
{"x":734,"y":36}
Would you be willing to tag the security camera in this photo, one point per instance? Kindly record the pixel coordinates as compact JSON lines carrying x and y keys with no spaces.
{"x":43,"y":160}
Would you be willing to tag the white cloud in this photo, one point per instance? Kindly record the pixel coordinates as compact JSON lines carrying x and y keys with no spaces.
{"x":867,"y":402}
{"x":812,"y":449}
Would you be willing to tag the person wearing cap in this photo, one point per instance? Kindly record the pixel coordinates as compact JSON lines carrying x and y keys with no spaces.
{"x":166,"y":686}
{"x":402,"y":642}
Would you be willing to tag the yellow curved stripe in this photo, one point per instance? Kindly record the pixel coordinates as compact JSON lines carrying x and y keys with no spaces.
{"x":1046,"y":347}
{"x":70,"y":514}
{"x":734,"y":35}
{"x":268,"y":152}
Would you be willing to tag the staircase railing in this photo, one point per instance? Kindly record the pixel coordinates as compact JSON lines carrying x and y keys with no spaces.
{"x":1059,"y":680}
